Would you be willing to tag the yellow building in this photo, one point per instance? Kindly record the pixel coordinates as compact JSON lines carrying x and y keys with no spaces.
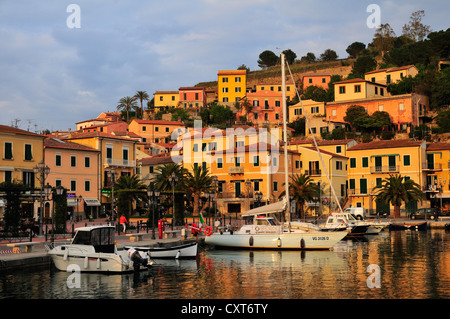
{"x":437,"y":169}
{"x":358,"y":89}
{"x":155,"y":131}
{"x":20,"y":152}
{"x":117,"y":155}
{"x":231,"y":86}
{"x":370,"y":163}
{"x":391,"y":75}
{"x":290,"y":89}
{"x":164,"y":99}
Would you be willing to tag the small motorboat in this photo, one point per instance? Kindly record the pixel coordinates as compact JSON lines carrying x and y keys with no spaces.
{"x":93,"y":250}
{"x":339,"y":222}
{"x":419,"y":226}
{"x":188,"y":250}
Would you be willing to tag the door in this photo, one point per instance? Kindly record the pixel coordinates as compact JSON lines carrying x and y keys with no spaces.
{"x":392,"y":163}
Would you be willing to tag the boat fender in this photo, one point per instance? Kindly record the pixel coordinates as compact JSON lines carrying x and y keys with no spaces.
{"x":250,"y":241}
{"x":86,"y":262}
{"x":98,"y":263}
{"x":279,"y":242}
{"x":178,"y":255}
{"x":66,"y":254}
{"x":208,"y":231}
{"x":302,"y":243}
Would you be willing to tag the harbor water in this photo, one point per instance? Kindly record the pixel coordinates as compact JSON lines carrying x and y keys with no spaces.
{"x":391,"y":265}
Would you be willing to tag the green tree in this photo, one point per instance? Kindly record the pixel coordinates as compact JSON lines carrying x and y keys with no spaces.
{"x":197,"y":182}
{"x":396,"y":189}
{"x":415,"y":29}
{"x":142,"y":96}
{"x":220,"y":114}
{"x":309,"y":57}
{"x":443,"y":121}
{"x":129,"y":189}
{"x":328,"y":55}
{"x":60,"y":211}
{"x":405,"y":86}
{"x":267,"y":59}
{"x":298,"y":126}
{"x":12,"y":214}
{"x":354,"y":115}
{"x":290,"y":56}
{"x":383,"y":39}
{"x":126,"y":104}
{"x":302,"y":189}
{"x":355,"y":49}
{"x":315,"y":93}
{"x":363,"y":64}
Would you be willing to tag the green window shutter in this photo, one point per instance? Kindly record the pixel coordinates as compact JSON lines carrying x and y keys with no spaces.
{"x":352,"y":162}
{"x":28,"y":153}
{"x":8,"y":150}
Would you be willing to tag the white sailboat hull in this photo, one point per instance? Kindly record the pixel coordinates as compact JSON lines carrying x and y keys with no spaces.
{"x":288,"y":241}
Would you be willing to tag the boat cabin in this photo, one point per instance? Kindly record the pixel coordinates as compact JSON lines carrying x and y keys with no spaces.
{"x":265,"y":221}
{"x":100,"y":237}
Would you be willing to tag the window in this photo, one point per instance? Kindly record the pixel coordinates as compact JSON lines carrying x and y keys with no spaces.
{"x":58,"y":182}
{"x":219,"y":162}
{"x":109,"y":151}
{"x":28,"y":153}
{"x":87,"y":161}
{"x":314,"y":110}
{"x":365,"y":162}
{"x":342,"y":90}
{"x":237,"y":89}
{"x":363,"y":185}
{"x":73,"y":161}
{"x":379,"y":182}
{"x":237,"y":189}
{"x":358,"y":88}
{"x":125,"y":153}
{"x":297,"y":164}
{"x":256,"y":160}
{"x":401,"y":106}
{"x":406,"y":160}
{"x":297,"y":111}
{"x":381,"y":108}
{"x":28,"y":178}
{"x":225,"y":90}
{"x":144,"y":128}
{"x":309,"y":80}
{"x":204,"y":147}
{"x":376,"y":90}
{"x":339,"y":165}
{"x":156,"y":129}
{"x":352,"y":162}
{"x":195,"y":148}
{"x":388,"y":79}
{"x":225,"y":80}
{"x":256,"y":186}
{"x":57,"y":160}
{"x":277,"y":103}
{"x":381,"y":91}
{"x":237,"y":161}
{"x":352,"y":183}
{"x":73,"y":185}
{"x":338,"y":149}
{"x":8,"y":150}
{"x":87,"y":186}
{"x":275,"y":186}
{"x":255,"y":103}
{"x":277,"y":116}
{"x":333,"y":112}
{"x":274,"y":160}
{"x":237,"y":79}
{"x":8,"y":176}
{"x":167,"y":129}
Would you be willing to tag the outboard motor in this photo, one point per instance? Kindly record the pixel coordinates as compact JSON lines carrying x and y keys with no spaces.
{"x":137,"y":259}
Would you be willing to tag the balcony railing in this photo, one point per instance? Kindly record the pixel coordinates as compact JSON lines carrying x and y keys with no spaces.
{"x":313,"y":172}
{"x":384,"y":169}
{"x":236,"y":170}
{"x":120,"y":162}
{"x":430,"y":166}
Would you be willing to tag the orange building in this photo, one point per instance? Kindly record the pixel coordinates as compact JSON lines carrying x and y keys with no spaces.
{"x":266,"y":107}
{"x":155,"y":131}
{"x":404,"y":110}
{"x":192,"y":97}
{"x":316,"y":79}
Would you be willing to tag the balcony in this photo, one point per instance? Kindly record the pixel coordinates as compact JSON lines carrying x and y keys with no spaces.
{"x":120,"y":162}
{"x":236,"y":170}
{"x":313,"y":172}
{"x":430,"y":166}
{"x":384,"y":169}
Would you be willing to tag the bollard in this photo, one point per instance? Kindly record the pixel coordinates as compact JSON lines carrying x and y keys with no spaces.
{"x":183,"y":233}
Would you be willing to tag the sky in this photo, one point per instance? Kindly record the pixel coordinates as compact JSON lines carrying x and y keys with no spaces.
{"x":61,"y":64}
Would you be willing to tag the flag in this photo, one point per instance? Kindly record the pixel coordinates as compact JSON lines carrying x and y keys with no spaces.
{"x":202,"y":220}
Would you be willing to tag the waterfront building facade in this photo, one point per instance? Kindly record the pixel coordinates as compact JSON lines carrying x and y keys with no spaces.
{"x":231,"y":86}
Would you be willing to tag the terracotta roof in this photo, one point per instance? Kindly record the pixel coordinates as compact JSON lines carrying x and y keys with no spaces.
{"x":323,"y":142}
{"x":316,"y":74}
{"x":154,"y":160}
{"x":393,"y":69}
{"x":159,"y":122}
{"x":51,"y":142}
{"x":385,"y":144}
{"x":13,"y":130}
{"x":232,"y":72}
{"x":77,"y":135}
{"x":438,"y":146}
{"x":357,"y":80}
{"x":324,"y":152}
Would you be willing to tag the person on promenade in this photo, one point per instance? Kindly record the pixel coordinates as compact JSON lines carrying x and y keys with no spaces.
{"x":123,"y":222}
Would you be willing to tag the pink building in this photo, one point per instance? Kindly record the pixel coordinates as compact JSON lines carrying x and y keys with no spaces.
{"x":192,"y":97}
{"x":74,"y":167}
{"x":266,"y":106}
{"x":316,"y":79}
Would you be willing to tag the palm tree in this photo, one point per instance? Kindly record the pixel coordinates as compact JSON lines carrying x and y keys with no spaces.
{"x":396,"y":189}
{"x":127,"y":103}
{"x":247,"y":106}
{"x":142,"y":96}
{"x":197,"y":182}
{"x":129,"y":189}
{"x":302,"y":189}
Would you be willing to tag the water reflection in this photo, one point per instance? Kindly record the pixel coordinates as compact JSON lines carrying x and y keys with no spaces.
{"x":412,"y":265}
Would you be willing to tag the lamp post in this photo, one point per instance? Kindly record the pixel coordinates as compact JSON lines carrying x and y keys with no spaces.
{"x":41,"y":171}
{"x":47,"y":192}
{"x":258,"y":197}
{"x":173,"y":179}
{"x":112,"y":175}
{"x":152,"y":195}
{"x":214,"y":184}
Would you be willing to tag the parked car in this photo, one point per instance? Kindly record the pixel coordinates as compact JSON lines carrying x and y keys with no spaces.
{"x":425,"y":213}
{"x":358,"y":212}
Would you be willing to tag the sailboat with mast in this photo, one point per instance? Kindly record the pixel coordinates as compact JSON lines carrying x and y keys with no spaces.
{"x":265,"y":231}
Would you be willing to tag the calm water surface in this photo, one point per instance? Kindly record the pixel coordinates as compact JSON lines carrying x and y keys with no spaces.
{"x":411,"y":265}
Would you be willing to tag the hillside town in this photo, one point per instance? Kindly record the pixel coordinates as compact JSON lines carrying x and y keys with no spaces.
{"x":244,"y":158}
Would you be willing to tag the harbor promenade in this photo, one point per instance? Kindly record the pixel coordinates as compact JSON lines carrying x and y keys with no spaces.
{"x":13,"y":258}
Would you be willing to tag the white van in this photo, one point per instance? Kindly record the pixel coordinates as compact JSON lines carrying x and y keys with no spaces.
{"x":358,"y":212}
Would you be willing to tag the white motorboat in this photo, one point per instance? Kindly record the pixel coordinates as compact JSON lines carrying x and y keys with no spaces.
{"x":355,"y":226}
{"x":267,"y":233}
{"x":188,"y":250}
{"x":93,"y":250}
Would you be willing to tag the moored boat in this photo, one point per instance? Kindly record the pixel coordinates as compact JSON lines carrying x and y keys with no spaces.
{"x":93,"y":250}
{"x":188,"y":250}
{"x":419,"y":226}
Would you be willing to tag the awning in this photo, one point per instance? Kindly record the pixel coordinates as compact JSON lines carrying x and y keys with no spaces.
{"x":91,"y":201}
{"x":277,"y":207}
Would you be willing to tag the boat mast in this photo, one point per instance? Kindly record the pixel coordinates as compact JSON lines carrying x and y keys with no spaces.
{"x":286,"y":180}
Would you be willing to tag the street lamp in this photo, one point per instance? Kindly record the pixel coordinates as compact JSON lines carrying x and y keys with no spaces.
{"x":41,"y":171}
{"x":173,"y":179}
{"x":258,"y":197}
{"x":152,"y":195}
{"x":47,"y":191}
{"x":112,"y":176}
